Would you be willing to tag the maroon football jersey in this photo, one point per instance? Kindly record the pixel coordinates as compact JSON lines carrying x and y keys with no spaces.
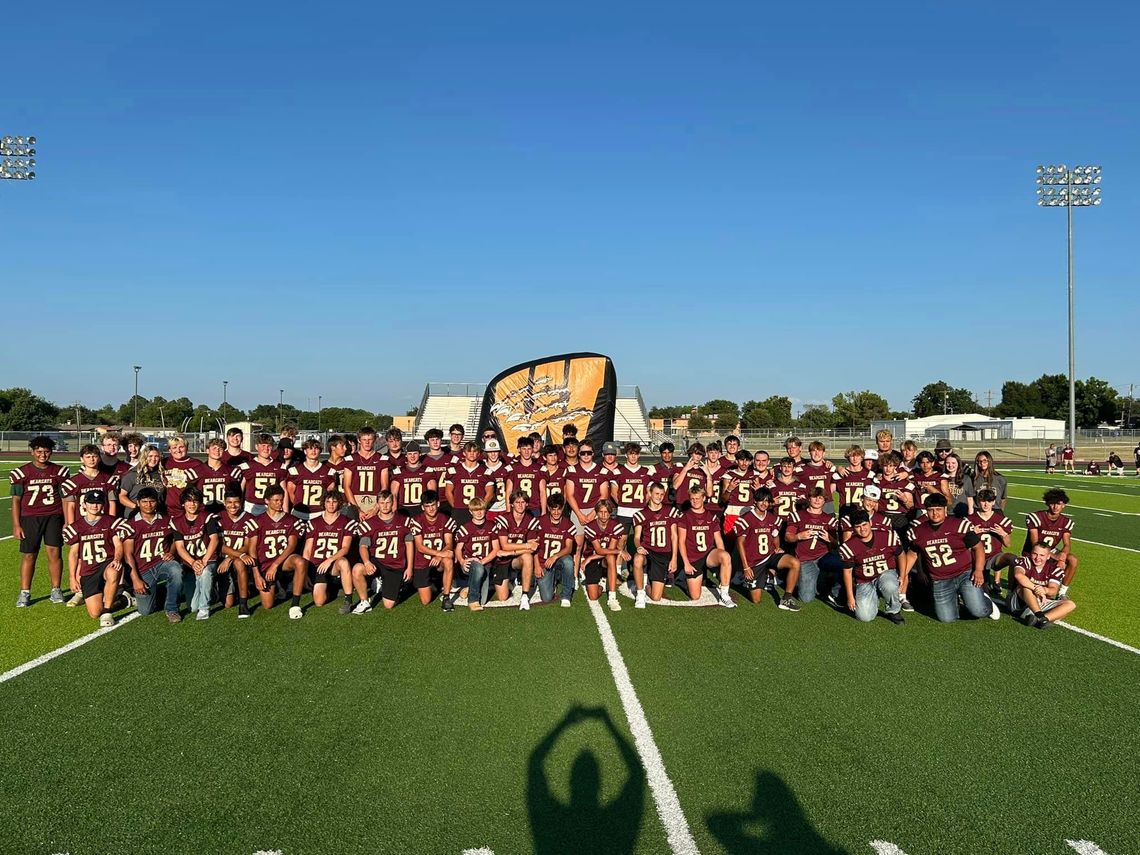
{"x":257,"y":477}
{"x":850,"y":486}
{"x":555,"y":480}
{"x":893,"y":489}
{"x":587,"y":481}
{"x":309,"y":485}
{"x":95,"y":541}
{"x":39,"y":490}
{"x":233,"y":461}
{"x":610,"y":535}
{"x":79,"y":483}
{"x":386,"y":540}
{"x":946,"y":549}
{"x":478,"y":539}
{"x":326,"y":537}
{"x":664,"y":472}
{"x":723,"y":465}
{"x":925,"y":484}
{"x":736,"y":490}
{"x":236,"y":532}
{"x":496,"y":476}
{"x":699,"y":533}
{"x":466,"y":483}
{"x":338,"y":469}
{"x":629,"y":487}
{"x":823,"y":527}
{"x":437,"y":467}
{"x":991,"y":542}
{"x":149,"y":540}
{"x":869,"y":560}
{"x":366,"y":473}
{"x":1049,"y":532}
{"x":516,"y":530}
{"x":785,"y":496}
{"x":178,"y":475}
{"x":434,"y":534}
{"x":1051,"y":572}
{"x":527,"y":479}
{"x":879,"y":522}
{"x":817,"y":475}
{"x":695,"y":476}
{"x":273,"y":536}
{"x":552,"y":536}
{"x":759,"y":534}
{"x":656,"y":528}
{"x":195,"y":534}
{"x":213,"y":483}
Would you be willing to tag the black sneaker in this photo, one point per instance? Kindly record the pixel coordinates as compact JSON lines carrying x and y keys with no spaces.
{"x":1041,"y":622}
{"x":995,"y":590}
{"x":895,"y":618}
{"x":788,"y":603}
{"x":906,"y":606}
{"x":243,"y":610}
{"x":448,"y":605}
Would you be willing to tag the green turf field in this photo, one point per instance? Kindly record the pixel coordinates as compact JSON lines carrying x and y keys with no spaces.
{"x":416,"y":731}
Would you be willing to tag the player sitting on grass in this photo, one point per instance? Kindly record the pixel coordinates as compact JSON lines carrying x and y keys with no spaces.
{"x":275,"y":547}
{"x":870,"y":569}
{"x":655,"y":534}
{"x":1035,"y":589}
{"x":603,"y":550}
{"x":757,"y":533}
{"x":553,"y":562}
{"x":95,"y":558}
{"x":87,"y":478}
{"x":327,"y":542}
{"x":1093,"y":468}
{"x":518,"y":543}
{"x":386,"y":548}
{"x":194,"y":539}
{"x":701,"y":547}
{"x":476,"y":554}
{"x":1052,"y":528}
{"x":814,"y":532}
{"x":995,"y":529}
{"x":235,"y":554}
{"x":953,"y":556}
{"x":37,"y":517}
{"x":433,"y":534}
{"x":147,"y":552}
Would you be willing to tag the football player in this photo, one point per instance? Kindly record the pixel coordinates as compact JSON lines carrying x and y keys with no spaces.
{"x":604,"y":549}
{"x":814,"y":532}
{"x":995,"y":530}
{"x":235,"y":554}
{"x":386,"y":548}
{"x":328,"y":539}
{"x":788,"y":491}
{"x":736,"y":488}
{"x":95,"y":557}
{"x":433,"y":534}
{"x":525,"y":473}
{"x":551,"y":477}
{"x":701,"y":548}
{"x":693,"y":474}
{"x":87,"y":478}
{"x":180,"y":471}
{"x":259,"y":474}
{"x":307,"y":482}
{"x":655,"y":533}
{"x":455,"y":436}
{"x":235,"y":455}
{"x":517,"y":531}
{"x":476,"y":554}
{"x":1035,"y":589}
{"x":215,"y":477}
{"x":495,"y":475}
{"x":1052,"y":528}
{"x":818,"y":471}
{"x":954,"y":558}
{"x":870,"y":570}
{"x":851,"y":482}
{"x":628,"y":488}
{"x":585,"y":485}
{"x":365,"y":475}
{"x":465,"y":482}
{"x":757,"y":533}
{"x":146,"y":549}
{"x":194,"y":536}
{"x":274,"y":544}
{"x":553,"y":560}
{"x":109,"y":460}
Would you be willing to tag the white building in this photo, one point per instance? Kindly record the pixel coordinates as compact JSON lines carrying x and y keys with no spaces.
{"x":966,"y":426}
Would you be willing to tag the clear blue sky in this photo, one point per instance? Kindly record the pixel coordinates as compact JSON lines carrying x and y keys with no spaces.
{"x":731,"y":200}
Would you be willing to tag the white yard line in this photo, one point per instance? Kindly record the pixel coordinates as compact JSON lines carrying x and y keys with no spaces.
{"x":1086,"y":847}
{"x":1093,"y":542}
{"x":1101,"y":511}
{"x":67,"y":648}
{"x":664,"y":795}
{"x":1100,"y":637}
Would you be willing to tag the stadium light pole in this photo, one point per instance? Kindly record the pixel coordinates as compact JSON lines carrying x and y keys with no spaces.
{"x":318,"y":413}
{"x":135,"y":421}
{"x":18,"y":155}
{"x":1058,"y":185}
{"x":280,"y":401}
{"x":225,"y":385}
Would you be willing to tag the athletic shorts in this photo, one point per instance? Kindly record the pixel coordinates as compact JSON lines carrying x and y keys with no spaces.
{"x":657,"y":567}
{"x":327,"y":578}
{"x":761,"y":570}
{"x":391,"y":581}
{"x":1016,"y":606}
{"x":500,"y":571}
{"x":92,"y":584}
{"x":700,"y":568}
{"x":595,"y":570}
{"x":421,"y":576}
{"x":43,"y":530}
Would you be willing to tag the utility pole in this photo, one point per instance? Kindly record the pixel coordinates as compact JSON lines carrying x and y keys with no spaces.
{"x":989,"y":399}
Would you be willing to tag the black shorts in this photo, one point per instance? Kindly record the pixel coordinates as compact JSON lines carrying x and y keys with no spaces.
{"x":500,"y":572}
{"x":595,"y":570}
{"x":330,"y":577}
{"x":421,"y":577}
{"x":92,"y":584}
{"x":391,"y":581}
{"x":42,"y":530}
{"x":700,"y":567}
{"x":657,"y":567}
{"x":761,"y":570}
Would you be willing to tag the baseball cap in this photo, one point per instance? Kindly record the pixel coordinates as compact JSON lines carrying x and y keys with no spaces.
{"x":412,"y":446}
{"x":872,"y":454}
{"x":942,"y":445}
{"x":491,"y":445}
{"x":609,"y":448}
{"x":872,"y":492}
{"x":95,"y":497}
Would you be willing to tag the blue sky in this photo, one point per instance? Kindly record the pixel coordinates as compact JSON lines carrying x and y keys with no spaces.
{"x":730,"y":200}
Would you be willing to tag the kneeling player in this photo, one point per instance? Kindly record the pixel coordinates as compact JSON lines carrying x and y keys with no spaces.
{"x":758,"y":545}
{"x":954,"y":558}
{"x":994,"y":528}
{"x":553,"y":563}
{"x":95,"y":557}
{"x":327,"y":542}
{"x":1035,"y":589}
{"x":518,"y":543}
{"x":655,"y":533}
{"x":813,"y":531}
{"x":274,"y":542}
{"x":237,"y":558}
{"x":1052,"y":528}
{"x":386,"y":548}
{"x":870,"y":569}
{"x":476,"y":551}
{"x":433,"y":534}
{"x":702,"y":548}
{"x":603,"y":550}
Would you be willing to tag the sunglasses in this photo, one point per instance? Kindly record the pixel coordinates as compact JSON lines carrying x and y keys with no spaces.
{"x":590,"y":453}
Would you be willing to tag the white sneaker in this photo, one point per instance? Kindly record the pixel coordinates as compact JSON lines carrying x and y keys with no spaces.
{"x":203,"y":614}
{"x":613,"y":603}
{"x":524,"y":603}
{"x":362,"y":608}
{"x":565,"y":603}
{"x":726,"y":599}
{"x":995,"y":612}
{"x":639,"y":601}
{"x":106,"y":619}
{"x":76,"y":600}
{"x":295,"y":613}
{"x":56,"y":596}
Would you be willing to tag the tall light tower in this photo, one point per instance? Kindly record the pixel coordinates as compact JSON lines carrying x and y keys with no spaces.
{"x":280,"y":401}
{"x":18,"y":158}
{"x":225,"y":386}
{"x":135,"y":418}
{"x":1058,"y":186}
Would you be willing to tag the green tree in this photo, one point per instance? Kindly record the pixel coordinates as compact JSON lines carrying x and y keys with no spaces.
{"x":727,"y":413}
{"x":940,"y":397}
{"x":21,"y":410}
{"x":1097,"y":403}
{"x":772,"y":412}
{"x":817,"y":418}
{"x":673,"y":412}
{"x":859,"y":409}
{"x":700,"y":422}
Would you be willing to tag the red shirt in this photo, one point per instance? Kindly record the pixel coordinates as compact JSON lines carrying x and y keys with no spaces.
{"x":1049,"y":532}
{"x":587,"y":483}
{"x":233,"y":461}
{"x":612,"y":535}
{"x":95,"y":541}
{"x":434,"y":534}
{"x":309,"y":486}
{"x":656,"y":528}
{"x":850,"y":486}
{"x":1051,"y":572}
{"x":870,"y":560}
{"x":235,"y":532}
{"x":385,"y":540}
{"x":195,"y":533}
{"x":516,"y":531}
{"x":39,"y":490}
{"x":79,"y":483}
{"x":738,"y":497}
{"x":497,"y":477}
{"x":555,"y":481}
{"x":893,"y":489}
{"x":785,"y":496}
{"x":552,"y":536}
{"x":437,"y":467}
{"x":695,"y":476}
{"x":149,"y":540}
{"x":699,"y":530}
{"x":466,"y":483}
{"x":823,"y":527}
{"x":759,"y":534}
{"x":947,"y":549}
{"x":879,"y":522}
{"x":817,"y":475}
{"x":527,"y":479}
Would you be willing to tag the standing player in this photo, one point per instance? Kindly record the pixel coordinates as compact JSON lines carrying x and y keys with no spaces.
{"x":95,"y":558}
{"x":757,"y":533}
{"x":604,"y":547}
{"x":736,"y":489}
{"x":953,"y":556}
{"x":327,"y":543}
{"x":1035,"y":589}
{"x":259,"y":474}
{"x":274,"y":544}
{"x":609,"y":462}
{"x":1068,"y":458}
{"x":307,"y":482}
{"x":147,"y":552}
{"x":338,"y":460}
{"x":386,"y":548}
{"x":455,"y":437}
{"x":236,"y":554}
{"x":433,"y":533}
{"x":666,"y":468}
{"x":194,"y":538}
{"x":701,"y":548}
{"x":235,"y":455}
{"x":814,"y":532}
{"x":1051,"y":458}
{"x":585,"y":485}
{"x":495,"y":474}
{"x":870,"y":570}
{"x":898,"y":491}
{"x":851,"y":483}
{"x":788,"y":491}
{"x":693,"y":474}
{"x":628,"y":487}
{"x":655,"y":533}
{"x":553,"y":561}
{"x":215,"y":477}
{"x":552,"y":475}
{"x":365,"y":475}
{"x":794,"y":448}
{"x":87,"y":478}
{"x":437,"y":461}
{"x":1136,"y":455}
{"x":37,"y":517}
{"x":465,"y":483}
{"x":1052,"y":528}
{"x":995,"y":530}
{"x":109,"y":461}
{"x":927,"y":478}
{"x":818,"y":471}
{"x":476,"y":554}
{"x":525,"y":473}
{"x":518,"y":545}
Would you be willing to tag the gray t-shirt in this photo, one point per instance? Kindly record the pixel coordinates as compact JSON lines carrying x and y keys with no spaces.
{"x":972,"y":483}
{"x":132,"y":482}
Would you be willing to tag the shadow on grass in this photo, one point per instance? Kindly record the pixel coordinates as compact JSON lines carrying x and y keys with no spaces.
{"x":776,"y":824}
{"x":585,"y":824}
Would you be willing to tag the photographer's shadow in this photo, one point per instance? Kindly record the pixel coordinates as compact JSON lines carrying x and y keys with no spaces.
{"x":776,"y":825}
{"x":585,"y":824}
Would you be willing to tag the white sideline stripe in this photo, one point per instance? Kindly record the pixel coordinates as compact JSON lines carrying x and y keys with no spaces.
{"x":1103,"y":638}
{"x":67,"y":648}
{"x":1104,"y":512}
{"x":482,"y":850}
{"x":1086,"y":847}
{"x":7,"y":537}
{"x":1093,"y":542}
{"x":884,"y":847}
{"x":664,"y":795}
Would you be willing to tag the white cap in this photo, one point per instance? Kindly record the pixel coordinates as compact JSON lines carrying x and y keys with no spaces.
{"x":872,"y":492}
{"x":873,"y":454}
{"x":491,"y":445}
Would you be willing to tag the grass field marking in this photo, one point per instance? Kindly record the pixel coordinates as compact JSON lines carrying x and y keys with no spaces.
{"x":1093,"y":542}
{"x":1086,"y":847}
{"x":67,"y":648}
{"x":482,"y":850}
{"x":1100,"y":637}
{"x":883,"y":847}
{"x":664,"y":794}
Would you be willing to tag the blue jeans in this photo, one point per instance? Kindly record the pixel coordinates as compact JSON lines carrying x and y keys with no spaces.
{"x":169,"y":572}
{"x":947,"y":591}
{"x":476,"y":577}
{"x":809,"y":576}
{"x":867,"y":596}
{"x":199,"y":589}
{"x":563,"y":567}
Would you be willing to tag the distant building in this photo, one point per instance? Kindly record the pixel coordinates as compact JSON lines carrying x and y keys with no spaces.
{"x":966,"y":426}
